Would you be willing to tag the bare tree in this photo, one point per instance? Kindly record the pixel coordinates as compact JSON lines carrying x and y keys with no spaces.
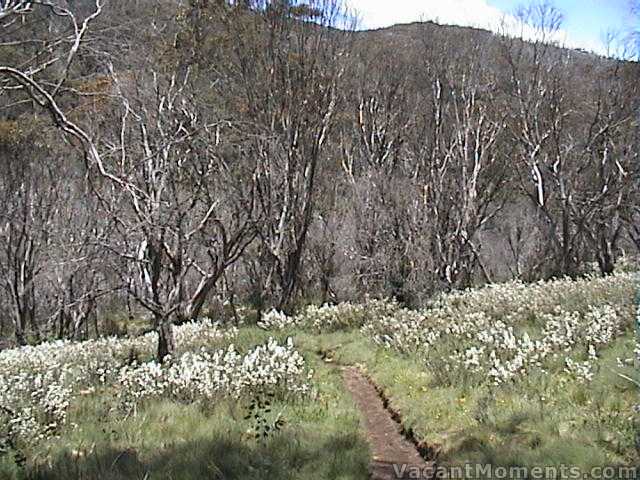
{"x":426,"y":171}
{"x":382,"y":114}
{"x":181,"y":209}
{"x":463,"y":173}
{"x":578,"y":181}
{"x":538,"y":90}
{"x":42,"y":54}
{"x":28,"y":192}
{"x":286,"y":64}
{"x":608,"y":165}
{"x":79,"y":276}
{"x":177,"y":210}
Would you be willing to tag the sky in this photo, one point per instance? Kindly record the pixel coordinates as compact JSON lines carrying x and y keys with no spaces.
{"x":585,"y":25}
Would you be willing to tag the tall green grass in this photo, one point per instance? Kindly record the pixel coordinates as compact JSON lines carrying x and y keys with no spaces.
{"x":319,"y":438}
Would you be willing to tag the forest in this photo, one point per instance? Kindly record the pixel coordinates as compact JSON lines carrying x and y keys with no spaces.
{"x":169,"y":158}
{"x":233,"y":232}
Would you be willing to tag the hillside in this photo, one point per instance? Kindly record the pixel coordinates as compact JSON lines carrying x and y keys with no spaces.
{"x":290,"y":162}
{"x":238,"y":241}
{"x":507,"y":376}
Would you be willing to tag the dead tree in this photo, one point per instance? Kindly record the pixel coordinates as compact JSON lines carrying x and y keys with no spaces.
{"x":537,"y":90}
{"x":177,"y":208}
{"x":286,"y":71}
{"x":182,"y":208}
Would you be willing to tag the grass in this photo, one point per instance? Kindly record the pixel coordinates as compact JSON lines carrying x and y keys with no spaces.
{"x":168,"y":441}
{"x":545,"y":420}
{"x":320,"y":439}
{"x":539,"y":420}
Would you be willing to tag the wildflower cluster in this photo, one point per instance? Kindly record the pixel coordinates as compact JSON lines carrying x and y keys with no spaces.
{"x":627,"y":264}
{"x":581,"y":370}
{"x":499,"y":333}
{"x":404,"y":331}
{"x":204,"y":332}
{"x":277,"y":320}
{"x":202,"y":375}
{"x":328,"y":318}
{"x":333,"y":317}
{"x":517,"y":302}
{"x":501,"y":352}
{"x":38,"y":383}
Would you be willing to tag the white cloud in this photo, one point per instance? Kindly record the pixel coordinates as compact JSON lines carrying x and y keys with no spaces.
{"x":380,"y":13}
{"x":473,"y":13}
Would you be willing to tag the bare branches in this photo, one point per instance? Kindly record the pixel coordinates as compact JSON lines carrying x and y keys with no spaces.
{"x":79,"y":32}
{"x":14,"y":7}
{"x":269,"y":153}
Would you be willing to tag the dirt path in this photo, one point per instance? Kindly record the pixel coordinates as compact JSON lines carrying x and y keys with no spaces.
{"x":394,"y":457}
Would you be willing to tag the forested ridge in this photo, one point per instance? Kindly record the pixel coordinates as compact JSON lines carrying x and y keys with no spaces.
{"x":174,"y":159}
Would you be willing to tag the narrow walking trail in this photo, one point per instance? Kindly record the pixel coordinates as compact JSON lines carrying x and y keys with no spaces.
{"x":394,"y":457}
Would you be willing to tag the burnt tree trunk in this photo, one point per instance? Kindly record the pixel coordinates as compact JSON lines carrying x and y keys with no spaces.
{"x":166,"y":340}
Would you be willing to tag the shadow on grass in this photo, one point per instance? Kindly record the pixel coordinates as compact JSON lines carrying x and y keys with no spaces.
{"x":281,"y":457}
{"x":514,"y":444}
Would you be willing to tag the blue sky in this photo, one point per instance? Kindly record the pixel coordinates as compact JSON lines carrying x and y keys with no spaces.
{"x":585,"y":21}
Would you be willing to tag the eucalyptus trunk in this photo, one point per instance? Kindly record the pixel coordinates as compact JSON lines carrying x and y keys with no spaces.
{"x":166,"y":339}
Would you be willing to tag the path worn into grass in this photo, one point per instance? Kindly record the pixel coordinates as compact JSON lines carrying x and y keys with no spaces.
{"x":394,"y":457}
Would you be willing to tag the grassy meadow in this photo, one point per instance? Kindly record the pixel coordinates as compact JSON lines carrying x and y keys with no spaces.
{"x":507,"y":375}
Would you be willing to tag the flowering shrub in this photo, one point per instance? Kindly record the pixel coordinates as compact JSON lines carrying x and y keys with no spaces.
{"x":519,"y":302}
{"x":499,"y":333}
{"x":581,"y":370}
{"x":405,"y":331}
{"x":328,"y":318}
{"x":332,"y":317}
{"x":35,"y":406}
{"x":199,"y":333}
{"x":38,"y":383}
{"x":627,"y":264}
{"x":277,"y":320}
{"x":204,"y":376}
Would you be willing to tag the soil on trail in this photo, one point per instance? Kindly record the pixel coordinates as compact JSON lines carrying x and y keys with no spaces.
{"x":394,"y":457}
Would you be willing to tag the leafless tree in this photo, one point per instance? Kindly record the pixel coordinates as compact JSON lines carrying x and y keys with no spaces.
{"x":579,"y":181}
{"x":537,"y":89}
{"x":181,"y":207}
{"x":463,"y":172}
{"x":176,"y":210}
{"x":382,"y":114}
{"x":42,"y":54}
{"x":79,"y":277}
{"x":28,"y":193}
{"x":608,"y":165}
{"x":251,"y":150}
{"x":287,"y":70}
